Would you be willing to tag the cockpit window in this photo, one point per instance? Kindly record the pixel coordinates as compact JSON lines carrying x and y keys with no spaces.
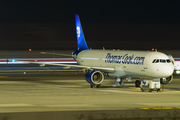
{"x":154,"y":60}
{"x":162,"y":60}
{"x":168,"y":60}
{"x":157,"y":60}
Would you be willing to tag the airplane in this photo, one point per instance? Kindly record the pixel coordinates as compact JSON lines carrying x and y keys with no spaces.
{"x":119,"y":64}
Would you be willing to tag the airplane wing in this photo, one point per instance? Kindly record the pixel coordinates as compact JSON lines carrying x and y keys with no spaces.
{"x":104,"y":69}
{"x":67,"y":55}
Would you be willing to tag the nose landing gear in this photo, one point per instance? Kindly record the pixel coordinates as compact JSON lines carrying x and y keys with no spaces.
{"x":150,"y":85}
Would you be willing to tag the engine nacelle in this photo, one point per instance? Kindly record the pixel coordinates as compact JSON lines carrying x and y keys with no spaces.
{"x":94,"y":77}
{"x":166,"y":80}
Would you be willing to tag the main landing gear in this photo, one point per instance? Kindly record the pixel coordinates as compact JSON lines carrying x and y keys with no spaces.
{"x":137,"y":83}
{"x":95,"y":86}
{"x":120,"y":81}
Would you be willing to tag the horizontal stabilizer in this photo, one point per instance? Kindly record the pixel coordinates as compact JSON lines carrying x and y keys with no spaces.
{"x":67,"y":55}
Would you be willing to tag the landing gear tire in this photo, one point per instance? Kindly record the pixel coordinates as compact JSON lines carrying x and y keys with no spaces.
{"x":158,"y":90}
{"x":142,"y":90}
{"x":92,"y":86}
{"x":97,"y":86}
{"x":150,"y":90}
{"x":137,"y":83}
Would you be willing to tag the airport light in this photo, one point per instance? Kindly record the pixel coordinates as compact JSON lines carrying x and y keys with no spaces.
{"x":30,"y":50}
{"x":152,"y":49}
{"x":13,"y":60}
{"x":177,"y":72}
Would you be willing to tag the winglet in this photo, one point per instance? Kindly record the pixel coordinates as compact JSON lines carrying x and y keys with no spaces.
{"x":81,"y":42}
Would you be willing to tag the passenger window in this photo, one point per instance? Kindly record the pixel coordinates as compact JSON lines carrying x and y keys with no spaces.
{"x":154,"y":60}
{"x":162,"y":60}
{"x":157,"y":60}
{"x":168,"y":60}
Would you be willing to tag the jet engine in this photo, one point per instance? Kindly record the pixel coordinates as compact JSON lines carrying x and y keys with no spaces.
{"x":94,"y":77}
{"x":166,"y":80}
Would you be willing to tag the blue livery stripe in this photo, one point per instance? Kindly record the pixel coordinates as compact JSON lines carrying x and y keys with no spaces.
{"x":81,"y":42}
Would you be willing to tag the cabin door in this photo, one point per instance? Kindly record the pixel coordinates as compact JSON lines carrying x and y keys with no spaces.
{"x":144,"y":65}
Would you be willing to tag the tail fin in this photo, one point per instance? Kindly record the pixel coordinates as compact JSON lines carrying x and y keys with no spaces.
{"x":81,"y":42}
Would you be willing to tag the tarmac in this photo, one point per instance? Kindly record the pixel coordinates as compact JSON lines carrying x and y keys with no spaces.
{"x":67,"y":95}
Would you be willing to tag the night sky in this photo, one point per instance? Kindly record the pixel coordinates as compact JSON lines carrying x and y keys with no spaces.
{"x":113,"y":24}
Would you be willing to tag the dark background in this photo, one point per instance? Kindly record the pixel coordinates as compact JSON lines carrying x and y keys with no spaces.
{"x":113,"y":24}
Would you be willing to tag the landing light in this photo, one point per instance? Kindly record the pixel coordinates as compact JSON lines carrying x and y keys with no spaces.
{"x":177,"y":72}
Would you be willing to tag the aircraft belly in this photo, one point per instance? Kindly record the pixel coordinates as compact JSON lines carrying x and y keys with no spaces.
{"x":136,"y":72}
{"x":117,"y":73}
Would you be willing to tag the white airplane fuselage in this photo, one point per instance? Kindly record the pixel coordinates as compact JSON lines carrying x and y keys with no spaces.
{"x":128,"y":63}
{"x":118,"y":63}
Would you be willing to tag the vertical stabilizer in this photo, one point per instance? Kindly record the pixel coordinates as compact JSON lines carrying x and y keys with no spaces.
{"x":81,"y":42}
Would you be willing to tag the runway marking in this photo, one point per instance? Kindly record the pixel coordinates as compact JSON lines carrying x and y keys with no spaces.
{"x":71,"y":86}
{"x":158,"y":107}
{"x":19,"y":93}
{"x":67,"y":83}
{"x":79,"y":84}
{"x":69,"y":105}
{"x":65,"y":86}
{"x":122,"y":91}
{"x":3,"y":76}
{"x":17,"y":105}
{"x":136,"y":91}
{"x":170,"y":90}
{"x":163,"y":108}
{"x":144,"y":108}
{"x":60,"y":108}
